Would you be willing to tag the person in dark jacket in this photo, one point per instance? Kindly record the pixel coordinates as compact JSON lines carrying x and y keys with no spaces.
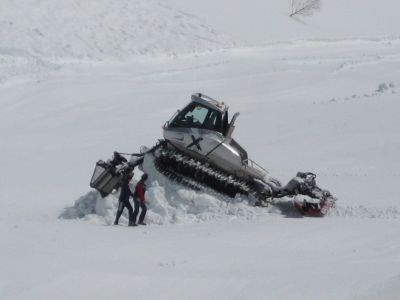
{"x":140,"y":200}
{"x":124,"y":201}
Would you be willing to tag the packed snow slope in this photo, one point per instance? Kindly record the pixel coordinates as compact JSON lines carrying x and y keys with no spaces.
{"x":312,"y":97}
{"x":260,"y":21}
{"x":40,"y":35}
{"x":102,"y":29}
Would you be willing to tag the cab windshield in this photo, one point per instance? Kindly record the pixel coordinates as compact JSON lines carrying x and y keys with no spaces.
{"x":196,"y":115}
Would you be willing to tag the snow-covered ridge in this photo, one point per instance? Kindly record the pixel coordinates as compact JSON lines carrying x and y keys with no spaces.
{"x":382,"y":89}
{"x":102,"y":29}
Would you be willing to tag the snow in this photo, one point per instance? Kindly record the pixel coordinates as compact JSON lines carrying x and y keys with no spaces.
{"x":315,"y":94}
{"x":103,"y":29}
{"x":40,"y":35}
{"x":260,"y":21}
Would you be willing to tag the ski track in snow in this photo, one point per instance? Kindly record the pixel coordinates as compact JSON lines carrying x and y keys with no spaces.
{"x":365,"y":60}
{"x":17,"y":64}
{"x":382,"y":89}
{"x":362,"y":211}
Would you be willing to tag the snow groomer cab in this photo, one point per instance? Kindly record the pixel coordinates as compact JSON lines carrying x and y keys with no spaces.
{"x":202,"y":130}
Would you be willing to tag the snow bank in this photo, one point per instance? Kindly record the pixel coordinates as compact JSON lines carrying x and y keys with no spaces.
{"x":172,"y":203}
{"x":92,"y":207}
{"x":169,"y":203}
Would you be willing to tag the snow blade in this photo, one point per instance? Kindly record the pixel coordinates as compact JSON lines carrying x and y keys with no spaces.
{"x":108,"y":176}
{"x":104,"y":178}
{"x":313,"y":209}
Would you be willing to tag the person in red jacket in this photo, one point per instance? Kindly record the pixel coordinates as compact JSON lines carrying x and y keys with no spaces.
{"x":140,"y":200}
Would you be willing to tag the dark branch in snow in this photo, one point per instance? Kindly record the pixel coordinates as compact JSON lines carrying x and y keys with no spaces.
{"x":304,"y":7}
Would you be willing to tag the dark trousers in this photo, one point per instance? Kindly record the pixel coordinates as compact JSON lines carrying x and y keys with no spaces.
{"x":142,"y":205}
{"x":121,"y":206}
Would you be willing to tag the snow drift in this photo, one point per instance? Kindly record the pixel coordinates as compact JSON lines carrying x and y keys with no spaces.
{"x":169,"y":203}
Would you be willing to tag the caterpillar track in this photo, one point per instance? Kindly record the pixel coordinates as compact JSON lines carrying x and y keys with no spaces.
{"x":200,"y":175}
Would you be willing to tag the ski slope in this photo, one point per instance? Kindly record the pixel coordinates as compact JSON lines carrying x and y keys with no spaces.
{"x":312,"y":97}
